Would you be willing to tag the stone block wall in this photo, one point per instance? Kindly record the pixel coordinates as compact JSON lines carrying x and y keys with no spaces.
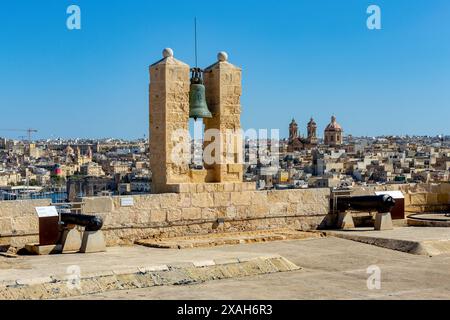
{"x":208,"y":208}
{"x":19,"y":222}
{"x":419,"y":197}
{"x":233,"y":208}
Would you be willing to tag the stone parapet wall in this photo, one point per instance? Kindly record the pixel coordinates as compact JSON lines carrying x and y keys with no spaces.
{"x":19,"y":222}
{"x":177,"y":214}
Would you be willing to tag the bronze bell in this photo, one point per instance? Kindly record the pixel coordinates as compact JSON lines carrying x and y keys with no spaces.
{"x":197,"y":97}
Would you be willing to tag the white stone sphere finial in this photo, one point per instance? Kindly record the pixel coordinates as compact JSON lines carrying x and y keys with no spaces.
{"x":222,"y":56}
{"x":167,"y":52}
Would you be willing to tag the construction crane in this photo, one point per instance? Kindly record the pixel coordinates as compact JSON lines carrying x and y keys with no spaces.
{"x":28,"y":131}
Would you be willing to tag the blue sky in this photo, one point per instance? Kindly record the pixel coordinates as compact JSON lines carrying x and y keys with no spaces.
{"x":300,"y":58}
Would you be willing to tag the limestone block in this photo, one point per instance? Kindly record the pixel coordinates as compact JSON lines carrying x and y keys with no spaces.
{"x":93,"y":241}
{"x":248,"y":186}
{"x":146,"y":202}
{"x":258,"y":197}
{"x":237,"y":187}
{"x":198,"y":176}
{"x":124,"y":217}
{"x":292,"y":208}
{"x":240,"y":198}
{"x":320,"y":208}
{"x":222,"y":199}
{"x":219,"y":187}
{"x":234,"y":167}
{"x":407,"y":199}
{"x":71,"y":240}
{"x":20,"y":208}
{"x":158,"y":215}
{"x":231,"y":212}
{"x":383,"y":221}
{"x":209,"y":187}
{"x":445,"y":188}
{"x":19,"y":242}
{"x":243,"y":212}
{"x":5,"y":225}
{"x":191,"y":213}
{"x":294,"y":197}
{"x":303,"y":209}
{"x":278,"y":209}
{"x":260,"y":209}
{"x":192,"y":188}
{"x":274,"y":196}
{"x":140,"y":217}
{"x":179,"y":188}
{"x":174,"y":214}
{"x":443,"y":198}
{"x":209,"y":213}
{"x":98,"y":204}
{"x":26,"y":224}
{"x":169,"y":200}
{"x":227,"y":187}
{"x":418,"y":199}
{"x":184,"y":200}
{"x":202,"y":200}
{"x":432,"y":198}
{"x":309,"y":196}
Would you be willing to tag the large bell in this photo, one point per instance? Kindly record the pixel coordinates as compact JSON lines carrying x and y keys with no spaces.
{"x":197,"y":98}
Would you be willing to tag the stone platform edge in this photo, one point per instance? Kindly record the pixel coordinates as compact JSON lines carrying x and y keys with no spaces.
{"x":55,"y":287}
{"x":425,"y":247}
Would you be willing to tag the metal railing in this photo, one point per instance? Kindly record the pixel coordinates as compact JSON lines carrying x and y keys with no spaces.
{"x":74,"y":207}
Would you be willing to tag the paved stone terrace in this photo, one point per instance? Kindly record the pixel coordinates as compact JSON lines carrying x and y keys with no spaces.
{"x":331,"y":268}
{"x":116,"y":258}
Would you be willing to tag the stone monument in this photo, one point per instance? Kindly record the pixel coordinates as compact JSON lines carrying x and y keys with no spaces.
{"x":169,"y":125}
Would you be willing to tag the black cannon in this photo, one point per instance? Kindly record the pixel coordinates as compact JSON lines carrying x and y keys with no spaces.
{"x":90,"y":223}
{"x":58,"y":232}
{"x":381,"y":203}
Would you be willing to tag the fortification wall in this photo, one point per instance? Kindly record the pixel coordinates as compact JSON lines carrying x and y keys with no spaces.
{"x":175,"y":214}
{"x":209,"y":208}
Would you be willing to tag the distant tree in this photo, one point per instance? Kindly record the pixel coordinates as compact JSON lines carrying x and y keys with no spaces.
{"x":58,"y":180}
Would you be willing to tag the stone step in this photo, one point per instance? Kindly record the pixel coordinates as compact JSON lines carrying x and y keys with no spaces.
{"x":55,"y":287}
{"x":227,"y":238}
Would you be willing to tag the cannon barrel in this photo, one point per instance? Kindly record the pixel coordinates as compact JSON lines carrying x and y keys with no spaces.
{"x":91,"y":223}
{"x":380,"y":203}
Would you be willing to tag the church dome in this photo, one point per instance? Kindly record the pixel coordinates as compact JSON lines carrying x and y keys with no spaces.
{"x":334,"y":126}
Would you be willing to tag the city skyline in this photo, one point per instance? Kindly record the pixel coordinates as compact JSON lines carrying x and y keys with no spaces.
{"x":322,"y":60}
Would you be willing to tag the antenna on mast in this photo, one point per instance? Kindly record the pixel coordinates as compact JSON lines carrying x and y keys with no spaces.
{"x":195,"y":39}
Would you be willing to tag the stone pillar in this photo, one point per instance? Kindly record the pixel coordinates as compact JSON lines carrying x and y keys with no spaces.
{"x":383,"y":221}
{"x":169,"y":112}
{"x":223,"y":91}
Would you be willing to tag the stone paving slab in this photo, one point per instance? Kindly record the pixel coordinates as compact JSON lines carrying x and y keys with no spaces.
{"x":415,"y":240}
